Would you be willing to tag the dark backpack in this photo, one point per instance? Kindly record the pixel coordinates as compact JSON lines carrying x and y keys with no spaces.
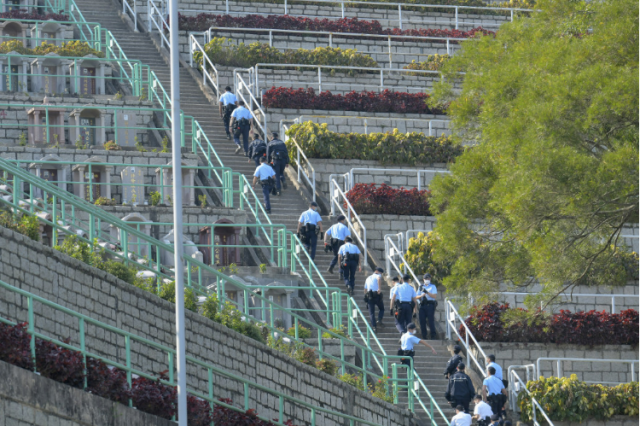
{"x":278,"y":150}
{"x":259,"y":150}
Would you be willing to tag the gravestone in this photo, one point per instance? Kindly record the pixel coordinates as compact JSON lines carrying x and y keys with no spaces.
{"x":132,"y":185}
{"x":126,"y":136}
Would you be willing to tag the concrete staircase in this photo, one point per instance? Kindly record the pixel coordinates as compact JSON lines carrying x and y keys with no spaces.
{"x":286,"y":208}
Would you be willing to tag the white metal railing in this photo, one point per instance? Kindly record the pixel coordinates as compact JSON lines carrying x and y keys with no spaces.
{"x":133,"y":12}
{"x":571,"y":296}
{"x":452,"y":316}
{"x":456,"y":20}
{"x":206,"y":65}
{"x":390,"y":261}
{"x":560,"y":367}
{"x":380,"y":71}
{"x":300,"y":155}
{"x":243,"y":92}
{"x":366,"y":119}
{"x":419,"y":172}
{"x":447,"y":41}
{"x":157,"y":21}
{"x":337,"y":198}
{"x":516,"y":385}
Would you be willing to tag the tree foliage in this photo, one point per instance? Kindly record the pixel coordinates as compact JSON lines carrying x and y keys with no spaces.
{"x":552,"y":103}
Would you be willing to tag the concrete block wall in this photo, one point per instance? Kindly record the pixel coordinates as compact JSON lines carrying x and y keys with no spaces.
{"x":113,"y":157}
{"x":508,"y":354}
{"x":70,"y":283}
{"x":394,"y":54}
{"x":15,"y":120}
{"x":407,"y":177}
{"x":614,"y":421}
{"x":354,"y":121}
{"x":388,"y":16}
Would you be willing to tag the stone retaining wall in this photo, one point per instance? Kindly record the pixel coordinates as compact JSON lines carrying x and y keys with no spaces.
{"x":70,"y":283}
{"x":27,"y":399}
{"x":508,"y":354}
{"x":388,"y":17}
{"x":614,"y":421}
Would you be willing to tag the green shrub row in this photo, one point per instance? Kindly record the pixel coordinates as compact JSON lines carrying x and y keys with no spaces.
{"x":25,"y":224}
{"x":222,"y":51}
{"x":387,"y":148}
{"x":569,"y":399}
{"x":419,"y":257}
{"x":68,"y":49}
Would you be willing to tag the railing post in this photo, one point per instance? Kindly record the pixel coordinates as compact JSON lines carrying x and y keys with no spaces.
{"x":319,"y":79}
{"x":390,"y":57}
{"x":285,"y":8}
{"x":399,"y":15}
{"x":342,"y":8}
{"x":31,"y":330}
{"x":456,"y":9}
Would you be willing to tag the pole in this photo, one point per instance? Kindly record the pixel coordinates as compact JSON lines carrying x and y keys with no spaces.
{"x":177,"y":215}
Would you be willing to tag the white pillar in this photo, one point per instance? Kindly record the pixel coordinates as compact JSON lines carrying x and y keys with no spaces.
{"x":100,"y":84}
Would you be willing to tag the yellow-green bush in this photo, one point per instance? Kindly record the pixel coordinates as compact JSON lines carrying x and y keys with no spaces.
{"x":419,"y":257}
{"x":317,"y":141}
{"x":433,"y":63}
{"x":68,"y":48}
{"x":569,"y":399}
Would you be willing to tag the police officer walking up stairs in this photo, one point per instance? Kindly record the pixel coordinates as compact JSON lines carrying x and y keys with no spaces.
{"x":309,"y":226}
{"x":453,"y":362}
{"x":427,"y":294}
{"x":257,"y":149}
{"x":460,"y":390}
{"x":349,"y":258}
{"x":264,"y":174}
{"x":408,"y":341}
{"x":373,"y":297}
{"x":403,"y":302}
{"x":396,"y":282}
{"x":334,"y":239}
{"x":241,"y":124}
{"x":226,"y":105}
{"x":278,"y":156}
{"x":494,"y":393}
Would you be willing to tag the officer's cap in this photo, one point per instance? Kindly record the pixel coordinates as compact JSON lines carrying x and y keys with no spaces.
{"x":380,"y":270}
{"x":461,"y":366}
{"x":406,"y":277}
{"x":495,"y":417}
{"x":274,"y":134}
{"x":427,"y":276}
{"x":396,"y":279}
{"x":411,"y":326}
{"x":457,"y":349}
{"x":313,"y":204}
{"x":341,"y":218}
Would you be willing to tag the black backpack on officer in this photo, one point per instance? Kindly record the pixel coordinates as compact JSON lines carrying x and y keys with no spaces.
{"x":258,"y":149}
{"x":278,"y":151}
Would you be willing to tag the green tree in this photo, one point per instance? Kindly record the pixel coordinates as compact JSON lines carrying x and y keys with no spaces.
{"x":551,"y":104}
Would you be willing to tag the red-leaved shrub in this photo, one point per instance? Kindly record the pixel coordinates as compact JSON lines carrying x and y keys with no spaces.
{"x":369,"y":199}
{"x":15,"y":345}
{"x":204,"y":21}
{"x":60,"y":364}
{"x":385,"y":101}
{"x":107,"y":382}
{"x":152,"y":396}
{"x":20,"y":14}
{"x":581,"y":328}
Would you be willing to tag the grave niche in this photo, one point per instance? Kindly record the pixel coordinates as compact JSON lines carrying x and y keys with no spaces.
{"x":11,"y":5}
{"x":53,"y":171}
{"x":134,"y":244}
{"x":92,"y":184}
{"x":47,"y":74}
{"x":14,"y":72}
{"x":222,"y":236}
{"x":50,"y":32}
{"x":46,"y":124}
{"x":164,"y":176}
{"x":87,"y":75}
{"x":189,"y":250}
{"x":87,"y":126}
{"x":132,"y":185}
{"x":126,"y":134}
{"x":13,"y":30}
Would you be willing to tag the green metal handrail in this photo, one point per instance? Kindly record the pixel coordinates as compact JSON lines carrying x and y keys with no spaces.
{"x":84,"y":321}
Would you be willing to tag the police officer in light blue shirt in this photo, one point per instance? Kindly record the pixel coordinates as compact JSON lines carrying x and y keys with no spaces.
{"x":427,"y":298}
{"x":241,"y":124}
{"x":350,"y":257}
{"x":373,"y":296}
{"x":226,"y":105}
{"x":263,"y":174}
{"x":491,"y":362}
{"x":394,"y":286}
{"x":494,"y":393}
{"x":404,"y":302}
{"x":309,"y":225}
{"x":334,"y":239}
{"x":408,"y":341}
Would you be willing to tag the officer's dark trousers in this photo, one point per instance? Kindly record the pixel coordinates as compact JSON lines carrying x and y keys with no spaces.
{"x":226,"y":118}
{"x":312,"y":244}
{"x":350,"y":273}
{"x":427,"y":312}
{"x":335,"y":247}
{"x":257,"y":161}
{"x":244,"y":132}
{"x":371,"y":304}
{"x":278,"y":167}
{"x":266,"y":190}
{"x":404,"y":318}
{"x":455,"y":402}
{"x":395,"y":318}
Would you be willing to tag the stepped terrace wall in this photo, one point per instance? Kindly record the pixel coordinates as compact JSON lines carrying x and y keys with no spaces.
{"x":401,"y":54}
{"x":508,"y":354}
{"x":27,"y":399}
{"x":70,"y":283}
{"x":388,"y":16}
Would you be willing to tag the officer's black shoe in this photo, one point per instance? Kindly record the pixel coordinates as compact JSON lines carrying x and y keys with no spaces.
{"x":375,"y":330}
{"x":380,"y":324}
{"x":284,"y":184}
{"x":330,"y":270}
{"x":269,"y":211}
{"x":229,"y":136}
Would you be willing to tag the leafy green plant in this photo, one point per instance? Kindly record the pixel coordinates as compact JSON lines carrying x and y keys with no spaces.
{"x":420,"y":257}
{"x":571,"y":400}
{"x":69,"y":48}
{"x":354,"y":380}
{"x":155,"y":198}
{"x":340,"y":331}
{"x":203,"y":201}
{"x":210,"y":306}
{"x":146,"y":284}
{"x":231,"y":317}
{"x":168,"y":293}
{"x":303,"y":332}
{"x":118,"y":96}
{"x":317,"y":141}
{"x":104,"y":201}
{"x":380,"y":389}
{"x":143,"y":94}
{"x":26,"y":224}
{"x":14,"y":46}
{"x":111,"y":146}
{"x":327,"y":365}
{"x":165,"y":145}
{"x":433,"y":63}
{"x":233,"y":269}
{"x":80,"y":145}
{"x":138,"y":144}
{"x":306,"y":356}
{"x":22,"y":141}
{"x":263,"y":268}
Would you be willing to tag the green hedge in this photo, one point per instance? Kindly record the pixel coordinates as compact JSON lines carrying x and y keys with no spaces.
{"x":387,"y":148}
{"x":569,"y":399}
{"x":222,"y":51}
